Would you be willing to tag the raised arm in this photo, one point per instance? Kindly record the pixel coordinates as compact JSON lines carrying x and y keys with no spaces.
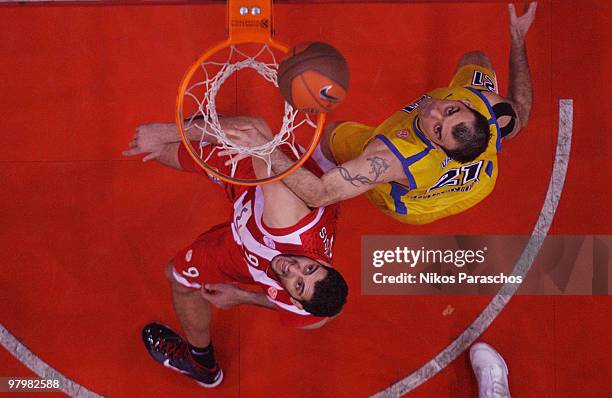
{"x":374,"y":166}
{"x":519,"y":88}
{"x":158,"y":141}
{"x":161,"y":141}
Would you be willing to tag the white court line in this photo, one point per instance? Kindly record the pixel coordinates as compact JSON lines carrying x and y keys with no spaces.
{"x":36,"y":365}
{"x":524,"y":263}
{"x":446,"y":356}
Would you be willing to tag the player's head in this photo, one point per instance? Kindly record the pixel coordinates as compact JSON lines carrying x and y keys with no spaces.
{"x":454,"y":127}
{"x":312,"y":285}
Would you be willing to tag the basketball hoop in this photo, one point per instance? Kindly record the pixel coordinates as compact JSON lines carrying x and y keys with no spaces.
{"x":249,"y":46}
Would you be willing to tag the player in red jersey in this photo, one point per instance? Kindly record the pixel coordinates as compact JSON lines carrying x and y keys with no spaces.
{"x":273,"y":240}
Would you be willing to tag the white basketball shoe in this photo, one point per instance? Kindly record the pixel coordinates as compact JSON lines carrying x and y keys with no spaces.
{"x":491,"y":371}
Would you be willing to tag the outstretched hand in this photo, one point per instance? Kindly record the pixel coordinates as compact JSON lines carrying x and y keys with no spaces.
{"x":248,"y":132}
{"x":150,"y":139}
{"x":520,"y":25}
{"x":223,"y":295}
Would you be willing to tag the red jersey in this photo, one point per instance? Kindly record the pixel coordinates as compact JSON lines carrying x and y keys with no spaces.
{"x":256,"y":244}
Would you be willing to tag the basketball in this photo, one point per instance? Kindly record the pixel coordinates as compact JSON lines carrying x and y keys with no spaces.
{"x":313,"y":77}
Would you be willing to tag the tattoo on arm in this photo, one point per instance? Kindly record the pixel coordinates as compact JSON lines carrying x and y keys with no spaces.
{"x":378,"y":167}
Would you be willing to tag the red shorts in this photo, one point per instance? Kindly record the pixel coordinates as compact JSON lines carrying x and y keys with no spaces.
{"x":213,"y":257}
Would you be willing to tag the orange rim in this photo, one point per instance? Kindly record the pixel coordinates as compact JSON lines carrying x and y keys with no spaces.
{"x":241,"y":30}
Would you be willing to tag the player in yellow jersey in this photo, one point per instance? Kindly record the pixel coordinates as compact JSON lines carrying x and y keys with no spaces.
{"x":435,"y":157}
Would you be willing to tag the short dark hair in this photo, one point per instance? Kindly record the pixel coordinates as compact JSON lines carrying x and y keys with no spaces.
{"x":472,"y":140}
{"x":329,"y":295}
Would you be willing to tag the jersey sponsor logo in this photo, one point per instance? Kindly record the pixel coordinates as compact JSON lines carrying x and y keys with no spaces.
{"x":434,"y":194}
{"x":272,"y":292}
{"x":409,"y":108}
{"x":482,"y":79}
{"x":324,"y":93}
{"x":402,"y":133}
{"x":188,"y":255}
{"x":242,"y":216}
{"x":445,"y":162}
{"x":328,"y":241}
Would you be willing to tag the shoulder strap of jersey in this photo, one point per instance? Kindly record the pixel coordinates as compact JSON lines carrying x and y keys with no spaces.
{"x":406,"y":162}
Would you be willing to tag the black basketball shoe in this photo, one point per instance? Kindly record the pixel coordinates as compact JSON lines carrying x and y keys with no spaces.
{"x":169,"y":349}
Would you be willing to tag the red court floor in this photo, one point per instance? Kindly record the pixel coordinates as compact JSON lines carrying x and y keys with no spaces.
{"x":85,"y":233}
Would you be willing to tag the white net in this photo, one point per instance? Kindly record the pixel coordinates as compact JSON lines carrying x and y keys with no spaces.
{"x":206,"y":120}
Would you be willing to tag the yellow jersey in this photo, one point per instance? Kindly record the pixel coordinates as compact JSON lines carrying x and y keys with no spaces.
{"x":437,"y":185}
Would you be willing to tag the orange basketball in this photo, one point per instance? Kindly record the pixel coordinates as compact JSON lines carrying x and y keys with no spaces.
{"x":314,"y":77}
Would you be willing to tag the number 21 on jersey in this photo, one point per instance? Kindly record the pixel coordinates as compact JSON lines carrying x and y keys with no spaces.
{"x":459,"y":176}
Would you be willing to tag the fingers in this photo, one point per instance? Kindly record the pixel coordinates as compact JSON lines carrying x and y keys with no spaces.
{"x":218,"y":287}
{"x":138,"y":151}
{"x":236,"y":159}
{"x":233,"y":131}
{"x":132,"y":152}
{"x":238,"y":132}
{"x":133,"y":143}
{"x":235,"y":156}
{"x":208,"y":291}
{"x":211,"y":286}
{"x":531,"y":8}
{"x":242,"y":131}
{"x":236,"y":135}
{"x":227,"y":152}
{"x":530,"y":11}
{"x":149,"y":157}
{"x":206,"y":295}
{"x":512,"y":12}
{"x":244,"y":125}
